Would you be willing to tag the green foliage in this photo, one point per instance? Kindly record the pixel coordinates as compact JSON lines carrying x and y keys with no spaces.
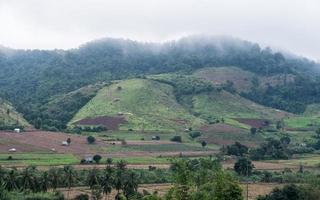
{"x":272,"y":149}
{"x":202,"y":179}
{"x":97,"y":158}
{"x":243,"y":166}
{"x":195,"y":134}
{"x":176,"y":138}
{"x":237,"y":149}
{"x":91,"y":139}
{"x":184,"y":85}
{"x":293,"y":192}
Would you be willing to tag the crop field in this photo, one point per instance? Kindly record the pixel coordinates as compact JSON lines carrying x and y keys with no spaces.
{"x":222,"y":134}
{"x":302,"y":122}
{"x":24,"y":159}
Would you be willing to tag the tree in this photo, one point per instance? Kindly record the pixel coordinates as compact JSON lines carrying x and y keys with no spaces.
{"x":243,"y":166}
{"x":97,"y":158}
{"x":253,"y":131}
{"x":203,"y":144}
{"x":176,"y":138}
{"x":107,"y":181}
{"x":109,"y":161}
{"x":288,"y":192}
{"x":69,"y":141}
{"x":93,"y":178}
{"x":69,"y":177}
{"x":237,"y":149}
{"x":318,"y":133}
{"x":130,"y":185}
{"x":54,"y":178}
{"x":285,"y":140}
{"x":38,"y":123}
{"x":91,"y":139}
{"x":44,"y":182}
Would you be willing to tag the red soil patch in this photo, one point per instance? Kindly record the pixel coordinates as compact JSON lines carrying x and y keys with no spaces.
{"x":256,"y":123}
{"x":111,"y":123}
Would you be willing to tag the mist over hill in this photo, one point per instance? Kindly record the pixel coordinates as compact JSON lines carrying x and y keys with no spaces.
{"x":30,"y":79}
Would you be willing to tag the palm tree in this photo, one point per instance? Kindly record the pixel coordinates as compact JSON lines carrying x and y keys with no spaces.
{"x":29,"y":179}
{"x":130,"y":186}
{"x":11,"y":180}
{"x":70,"y":177}
{"x":53,"y":176}
{"x":107,"y":181}
{"x":44,"y":182}
{"x":2,"y":175}
{"x":92,"y":178}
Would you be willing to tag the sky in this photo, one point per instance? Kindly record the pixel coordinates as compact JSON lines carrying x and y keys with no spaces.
{"x":291,"y":25}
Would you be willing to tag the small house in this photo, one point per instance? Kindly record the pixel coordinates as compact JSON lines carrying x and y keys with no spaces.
{"x":89,"y":159}
{"x":17,"y":130}
{"x":12,"y":150}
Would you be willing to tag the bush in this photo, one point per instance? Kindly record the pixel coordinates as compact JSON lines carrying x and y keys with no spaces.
{"x":195,"y":134}
{"x":176,"y":138}
{"x":97,"y":158}
{"x":82,"y":197}
{"x":243,"y":166}
{"x":91,"y":139}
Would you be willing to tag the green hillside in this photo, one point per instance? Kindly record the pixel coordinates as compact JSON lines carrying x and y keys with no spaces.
{"x":146,"y":104}
{"x":9,"y":116}
{"x":217,"y":104}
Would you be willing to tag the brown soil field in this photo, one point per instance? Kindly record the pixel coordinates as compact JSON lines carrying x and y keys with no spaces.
{"x":111,"y":123}
{"x":43,"y":141}
{"x":256,"y":123}
{"x":221,"y":128}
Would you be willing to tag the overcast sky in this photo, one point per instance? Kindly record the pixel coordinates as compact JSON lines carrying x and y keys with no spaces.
{"x":293,"y":25}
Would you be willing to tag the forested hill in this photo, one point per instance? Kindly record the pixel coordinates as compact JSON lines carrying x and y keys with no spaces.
{"x":32,"y":78}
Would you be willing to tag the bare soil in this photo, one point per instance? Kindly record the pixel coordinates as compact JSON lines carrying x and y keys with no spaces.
{"x":256,"y":123}
{"x":111,"y":123}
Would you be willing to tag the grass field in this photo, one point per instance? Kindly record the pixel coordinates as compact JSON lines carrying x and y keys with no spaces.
{"x":308,"y":160}
{"x":224,"y":104}
{"x":38,"y":159}
{"x":158,"y":148}
{"x":146,"y":104}
{"x":307,"y":122}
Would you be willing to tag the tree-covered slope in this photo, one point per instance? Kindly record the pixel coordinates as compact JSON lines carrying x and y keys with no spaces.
{"x":146,"y":104}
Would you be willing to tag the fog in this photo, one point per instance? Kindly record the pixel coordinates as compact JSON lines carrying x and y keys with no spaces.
{"x":289,"y":25}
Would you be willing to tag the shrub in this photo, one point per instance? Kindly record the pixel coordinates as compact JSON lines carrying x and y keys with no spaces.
{"x":176,"y":138}
{"x":91,"y":139}
{"x":97,"y":158}
{"x":82,"y":197}
{"x":243,"y":166}
{"x":195,"y":134}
